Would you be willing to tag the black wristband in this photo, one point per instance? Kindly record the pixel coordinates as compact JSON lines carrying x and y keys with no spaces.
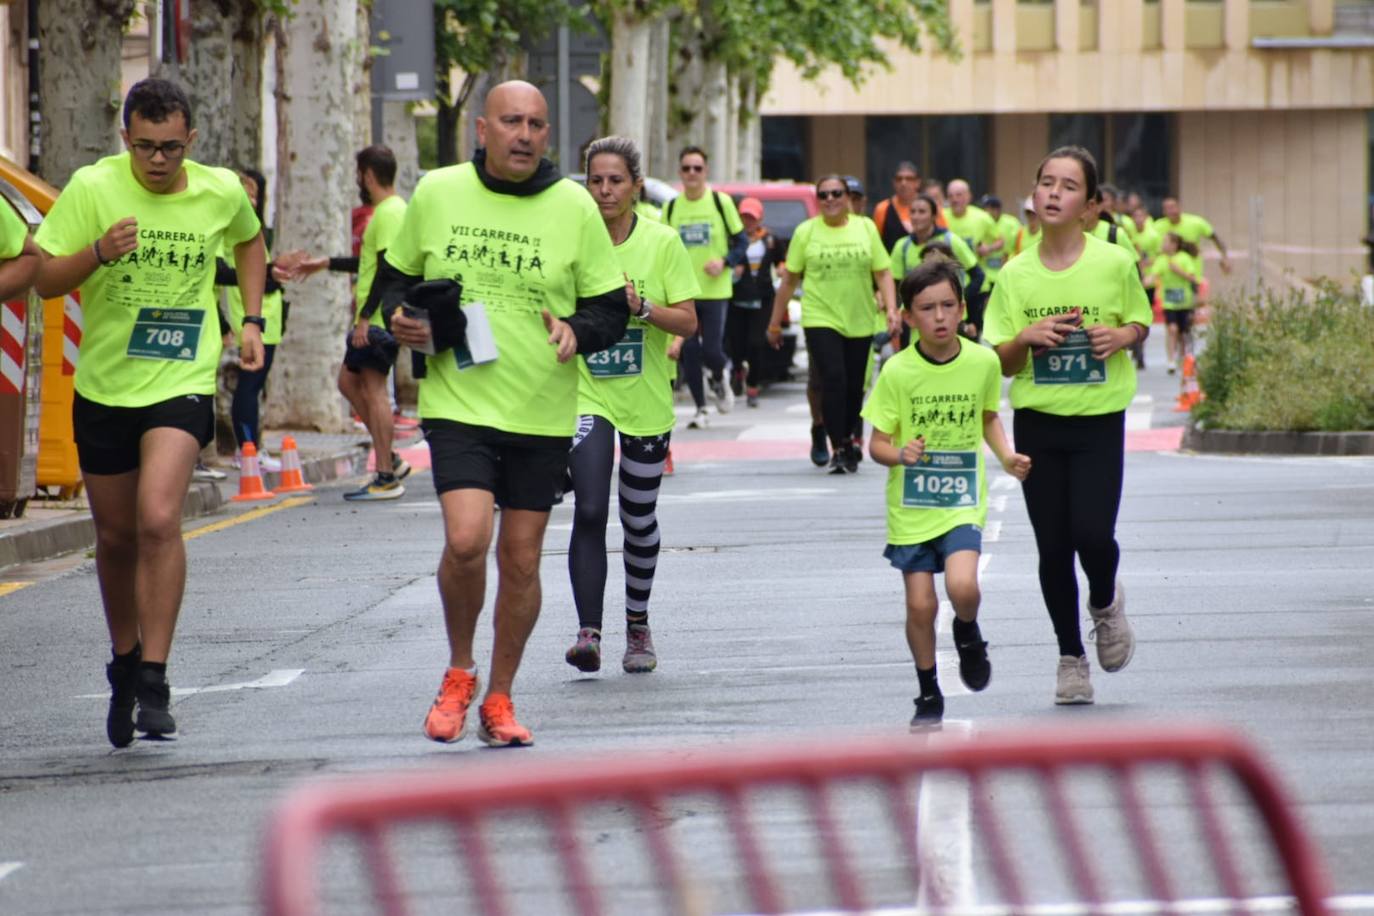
{"x":258,"y":320}
{"x":95,"y":246}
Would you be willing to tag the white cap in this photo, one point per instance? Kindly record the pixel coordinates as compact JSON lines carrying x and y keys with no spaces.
{"x":1028,"y":206}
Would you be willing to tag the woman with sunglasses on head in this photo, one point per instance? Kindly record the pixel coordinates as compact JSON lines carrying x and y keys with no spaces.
{"x":1063,"y":318}
{"x":841,"y":256}
{"x":623,"y":393}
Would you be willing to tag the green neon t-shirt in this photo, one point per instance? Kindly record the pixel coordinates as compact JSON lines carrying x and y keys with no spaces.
{"x":1147,"y":241}
{"x":945,"y":405}
{"x":907,"y":253}
{"x":517,"y":256}
{"x":386,"y":221}
{"x":1007,"y":228}
{"x":1067,"y":381}
{"x":698,"y":222}
{"x":1175,"y":292}
{"x":839,"y":263}
{"x":629,"y":383}
{"x":1103,"y":231}
{"x":150,"y":328}
{"x":271,"y":307}
{"x":13,"y":232}
{"x":976,"y":227}
{"x":1190,"y":227}
{"x":1027,"y":239}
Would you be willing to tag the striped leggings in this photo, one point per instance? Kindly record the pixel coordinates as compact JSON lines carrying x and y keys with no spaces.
{"x":641,"y":470}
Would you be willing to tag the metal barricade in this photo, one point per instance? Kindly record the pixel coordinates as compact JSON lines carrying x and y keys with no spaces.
{"x":21,"y":368}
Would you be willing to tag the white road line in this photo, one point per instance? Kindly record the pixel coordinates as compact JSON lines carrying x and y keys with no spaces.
{"x":1003,"y":482}
{"x":9,"y":868}
{"x":983,"y":561}
{"x":992,"y":532}
{"x":944,"y":833}
{"x":278,"y":678}
{"x":997,"y":503}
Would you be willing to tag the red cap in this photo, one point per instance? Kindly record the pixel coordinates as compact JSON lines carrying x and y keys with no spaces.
{"x":751,"y":206}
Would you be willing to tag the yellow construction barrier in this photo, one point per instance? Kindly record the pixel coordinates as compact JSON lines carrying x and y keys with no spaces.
{"x":57,"y":465}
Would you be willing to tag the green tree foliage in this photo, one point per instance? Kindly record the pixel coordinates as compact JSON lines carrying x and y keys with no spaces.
{"x":479,"y":37}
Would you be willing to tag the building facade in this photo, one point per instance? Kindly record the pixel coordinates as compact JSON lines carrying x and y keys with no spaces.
{"x":1258,"y":114}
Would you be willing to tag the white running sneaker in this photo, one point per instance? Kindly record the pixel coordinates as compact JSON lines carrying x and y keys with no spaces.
{"x":699,"y":420}
{"x":267,"y":463}
{"x":1112,"y":632}
{"x":1072,"y":686}
{"x":724,"y":395}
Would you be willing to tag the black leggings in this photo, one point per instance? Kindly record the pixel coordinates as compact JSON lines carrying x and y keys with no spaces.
{"x":746,"y":338}
{"x":641,"y":470}
{"x":1072,"y":495}
{"x":707,"y":346}
{"x":243,"y":410}
{"x":840,"y":364}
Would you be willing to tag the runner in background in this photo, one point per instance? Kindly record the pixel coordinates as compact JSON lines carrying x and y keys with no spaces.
{"x":710,"y":227}
{"x":934,"y":188}
{"x":892,"y":216}
{"x":1176,"y":273}
{"x":1061,"y":320}
{"x":751,"y":305}
{"x":1146,"y":237}
{"x":1008,"y":227}
{"x":979,"y":232}
{"x":909,"y":252}
{"x":1191,"y":228}
{"x":138,"y":233}
{"x":841,"y":256}
{"x":934,"y":407}
{"x":1029,"y":235}
{"x":624,"y":393}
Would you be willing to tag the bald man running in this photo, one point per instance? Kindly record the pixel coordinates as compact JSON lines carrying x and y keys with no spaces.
{"x":979,"y":231}
{"x":530,"y":253}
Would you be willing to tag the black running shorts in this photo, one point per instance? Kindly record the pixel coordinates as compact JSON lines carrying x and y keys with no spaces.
{"x":523,"y":472}
{"x":107,"y":438}
{"x":379,"y":355}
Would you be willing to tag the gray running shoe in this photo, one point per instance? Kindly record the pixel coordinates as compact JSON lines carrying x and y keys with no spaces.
{"x":379,"y":487}
{"x":1072,"y":687}
{"x":204,"y":472}
{"x":1112,"y":632}
{"x":639,"y":650}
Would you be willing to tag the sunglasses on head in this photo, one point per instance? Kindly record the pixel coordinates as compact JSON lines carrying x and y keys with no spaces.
{"x":830,"y":195}
{"x":693,"y":168}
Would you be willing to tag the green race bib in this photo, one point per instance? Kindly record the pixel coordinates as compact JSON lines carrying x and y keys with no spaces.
{"x":1070,"y":363}
{"x":995,"y":262}
{"x":941,"y":480}
{"x":166,"y":334}
{"x":752,"y":305}
{"x":695,"y":235}
{"x":1176,"y":296}
{"x":626,"y":357}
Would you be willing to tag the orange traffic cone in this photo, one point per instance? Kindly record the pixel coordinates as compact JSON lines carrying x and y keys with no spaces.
{"x":250,"y":477}
{"x":292,"y":480}
{"x":1190,"y":394}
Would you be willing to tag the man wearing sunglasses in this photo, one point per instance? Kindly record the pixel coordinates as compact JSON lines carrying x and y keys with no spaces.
{"x":137,"y":233}
{"x":710,"y":227}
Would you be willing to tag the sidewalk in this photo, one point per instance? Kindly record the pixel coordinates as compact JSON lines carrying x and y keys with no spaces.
{"x":50,"y":528}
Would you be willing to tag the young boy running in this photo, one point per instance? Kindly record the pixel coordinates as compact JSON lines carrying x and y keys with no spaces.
{"x":939,"y":398}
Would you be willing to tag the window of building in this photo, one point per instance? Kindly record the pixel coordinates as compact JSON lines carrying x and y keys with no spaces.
{"x":784,"y":148}
{"x":943,"y":147}
{"x":1133,"y":151}
{"x":1086,"y":130}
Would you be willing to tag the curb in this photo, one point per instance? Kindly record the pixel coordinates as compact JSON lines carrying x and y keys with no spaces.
{"x":44,"y":540}
{"x":1276,"y":442}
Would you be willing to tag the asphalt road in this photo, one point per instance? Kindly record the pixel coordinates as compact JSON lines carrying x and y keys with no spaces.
{"x":311,"y":643}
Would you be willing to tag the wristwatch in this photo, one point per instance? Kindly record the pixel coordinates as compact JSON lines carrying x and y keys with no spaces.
{"x":646,"y":308}
{"x":258,"y":320}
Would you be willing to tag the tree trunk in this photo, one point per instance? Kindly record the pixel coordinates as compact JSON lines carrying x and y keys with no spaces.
{"x":686,"y":87}
{"x":79,"y":82}
{"x":630,"y":69}
{"x":659,"y":158}
{"x":207,"y":76}
{"x":317,"y":66}
{"x":246,"y":111}
{"x":362,"y":79}
{"x":398,"y":133}
{"x":715,"y":124}
{"x":750,"y":166}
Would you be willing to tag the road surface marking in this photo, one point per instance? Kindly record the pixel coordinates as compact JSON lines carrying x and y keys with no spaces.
{"x":944,"y":832}
{"x":1342,"y":902}
{"x":1003,"y":482}
{"x":9,"y":588}
{"x":992,"y":532}
{"x":250,"y":515}
{"x":9,"y":868}
{"x":983,"y":561}
{"x":278,"y":678}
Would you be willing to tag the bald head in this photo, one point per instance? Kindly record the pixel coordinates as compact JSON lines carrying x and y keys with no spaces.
{"x":514,"y":130}
{"x":960,"y":195}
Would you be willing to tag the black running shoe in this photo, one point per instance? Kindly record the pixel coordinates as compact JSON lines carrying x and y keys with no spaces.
{"x":974,"y":668}
{"x":154,"y":698}
{"x":119,"y":721}
{"x":837,"y":462}
{"x":820,"y":449}
{"x":930,"y":711}
{"x":852,"y":457}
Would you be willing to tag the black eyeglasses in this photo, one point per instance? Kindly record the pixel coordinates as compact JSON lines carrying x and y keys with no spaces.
{"x":830,"y":195}
{"x":693,"y":168}
{"x":172,"y":149}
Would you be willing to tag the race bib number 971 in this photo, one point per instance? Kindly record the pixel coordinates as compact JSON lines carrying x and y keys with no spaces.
{"x":1070,"y":363}
{"x":166,"y":334}
{"x":941,"y":480}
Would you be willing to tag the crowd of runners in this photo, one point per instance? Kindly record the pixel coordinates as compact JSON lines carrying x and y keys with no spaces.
{"x":547,"y":322}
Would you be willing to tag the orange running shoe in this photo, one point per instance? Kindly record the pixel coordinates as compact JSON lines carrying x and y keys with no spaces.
{"x":498,"y":727}
{"x":448,"y":717}
{"x":668,"y":464}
